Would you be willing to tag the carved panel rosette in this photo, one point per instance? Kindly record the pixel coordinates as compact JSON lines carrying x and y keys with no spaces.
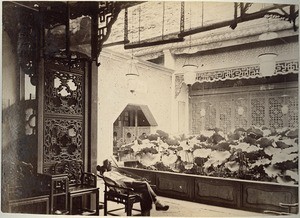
{"x":64,"y":93}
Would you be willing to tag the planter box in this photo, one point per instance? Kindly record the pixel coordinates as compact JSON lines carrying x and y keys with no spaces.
{"x":234,"y":193}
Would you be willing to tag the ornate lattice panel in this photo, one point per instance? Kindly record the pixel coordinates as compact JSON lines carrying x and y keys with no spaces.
{"x":225,"y":121}
{"x":211,"y":114}
{"x":271,"y":108}
{"x":241,"y":111}
{"x":292,"y":118}
{"x":64,"y":92}
{"x":64,"y":98}
{"x":63,"y":140}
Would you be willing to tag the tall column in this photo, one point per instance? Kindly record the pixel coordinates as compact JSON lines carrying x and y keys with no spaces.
{"x":93,"y":116}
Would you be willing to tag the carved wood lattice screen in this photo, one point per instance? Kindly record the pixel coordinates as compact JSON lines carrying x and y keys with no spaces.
{"x":64,"y":117}
{"x":234,"y":110}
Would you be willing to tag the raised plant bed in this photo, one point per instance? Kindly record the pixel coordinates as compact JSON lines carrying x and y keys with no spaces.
{"x":252,"y":169}
{"x":235,"y":193}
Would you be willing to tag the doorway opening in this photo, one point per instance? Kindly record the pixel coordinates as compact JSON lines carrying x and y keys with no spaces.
{"x":134,"y":122}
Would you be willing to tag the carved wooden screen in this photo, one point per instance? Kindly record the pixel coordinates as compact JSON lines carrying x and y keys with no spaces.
{"x":229,"y":111}
{"x":64,"y":100}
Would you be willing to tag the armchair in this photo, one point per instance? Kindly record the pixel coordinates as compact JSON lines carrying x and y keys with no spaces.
{"x":121,"y":195}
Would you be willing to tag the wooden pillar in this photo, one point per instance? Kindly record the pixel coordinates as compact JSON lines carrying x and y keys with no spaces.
{"x":93,"y":117}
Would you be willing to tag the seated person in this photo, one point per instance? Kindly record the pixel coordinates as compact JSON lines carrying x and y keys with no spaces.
{"x":148,"y":196}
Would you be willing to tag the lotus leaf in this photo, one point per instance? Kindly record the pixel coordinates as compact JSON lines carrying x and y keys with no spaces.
{"x":293,"y":133}
{"x":202,"y":138}
{"x":233,"y":166}
{"x":266,"y":132}
{"x":149,"y":159}
{"x":207,"y":133}
{"x":186,"y":156}
{"x":293,"y":174}
{"x":271,"y":171}
{"x":216,"y":138}
{"x":284,"y":180}
{"x":202,"y":152}
{"x":283,"y":156}
{"x":254,"y":132}
{"x":169,"y":159}
{"x":264,"y":142}
{"x":260,"y":162}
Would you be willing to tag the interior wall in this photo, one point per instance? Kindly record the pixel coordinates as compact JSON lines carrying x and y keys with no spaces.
{"x":10,"y":91}
{"x":153,"y":90}
{"x":223,"y":59}
{"x":9,"y":76}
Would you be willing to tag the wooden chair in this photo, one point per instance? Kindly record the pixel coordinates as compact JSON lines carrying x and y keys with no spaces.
{"x":121,"y":195}
{"x":86,"y":188}
{"x":74,"y":188}
{"x":59,"y":188}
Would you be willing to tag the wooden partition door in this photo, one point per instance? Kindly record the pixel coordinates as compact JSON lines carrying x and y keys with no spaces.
{"x":63,"y":106}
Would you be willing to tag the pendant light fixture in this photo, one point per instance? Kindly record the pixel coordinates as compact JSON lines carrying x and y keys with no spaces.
{"x":132,"y":75}
{"x":267,"y":61}
{"x":188,"y":67}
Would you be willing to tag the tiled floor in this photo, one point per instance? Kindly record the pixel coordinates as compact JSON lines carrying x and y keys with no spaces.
{"x":179,"y":208}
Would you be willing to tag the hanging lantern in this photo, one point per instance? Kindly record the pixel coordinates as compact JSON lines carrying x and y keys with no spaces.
{"x":190,"y":73}
{"x":267,"y":64}
{"x":132,"y":76}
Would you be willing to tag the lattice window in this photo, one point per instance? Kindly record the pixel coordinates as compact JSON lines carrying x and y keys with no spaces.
{"x":293,"y":111}
{"x":258,"y":111}
{"x":257,"y":108}
{"x":211,"y":116}
{"x":225,"y":115}
{"x":241,"y":111}
{"x":275,"y":113}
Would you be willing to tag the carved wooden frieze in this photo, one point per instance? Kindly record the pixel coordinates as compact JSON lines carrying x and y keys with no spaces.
{"x":245,"y":72}
{"x":242,"y":72}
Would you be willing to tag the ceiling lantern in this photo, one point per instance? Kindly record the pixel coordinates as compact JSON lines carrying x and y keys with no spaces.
{"x":267,"y":64}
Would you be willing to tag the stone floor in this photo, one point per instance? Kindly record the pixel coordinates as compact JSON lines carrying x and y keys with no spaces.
{"x":179,"y":208}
